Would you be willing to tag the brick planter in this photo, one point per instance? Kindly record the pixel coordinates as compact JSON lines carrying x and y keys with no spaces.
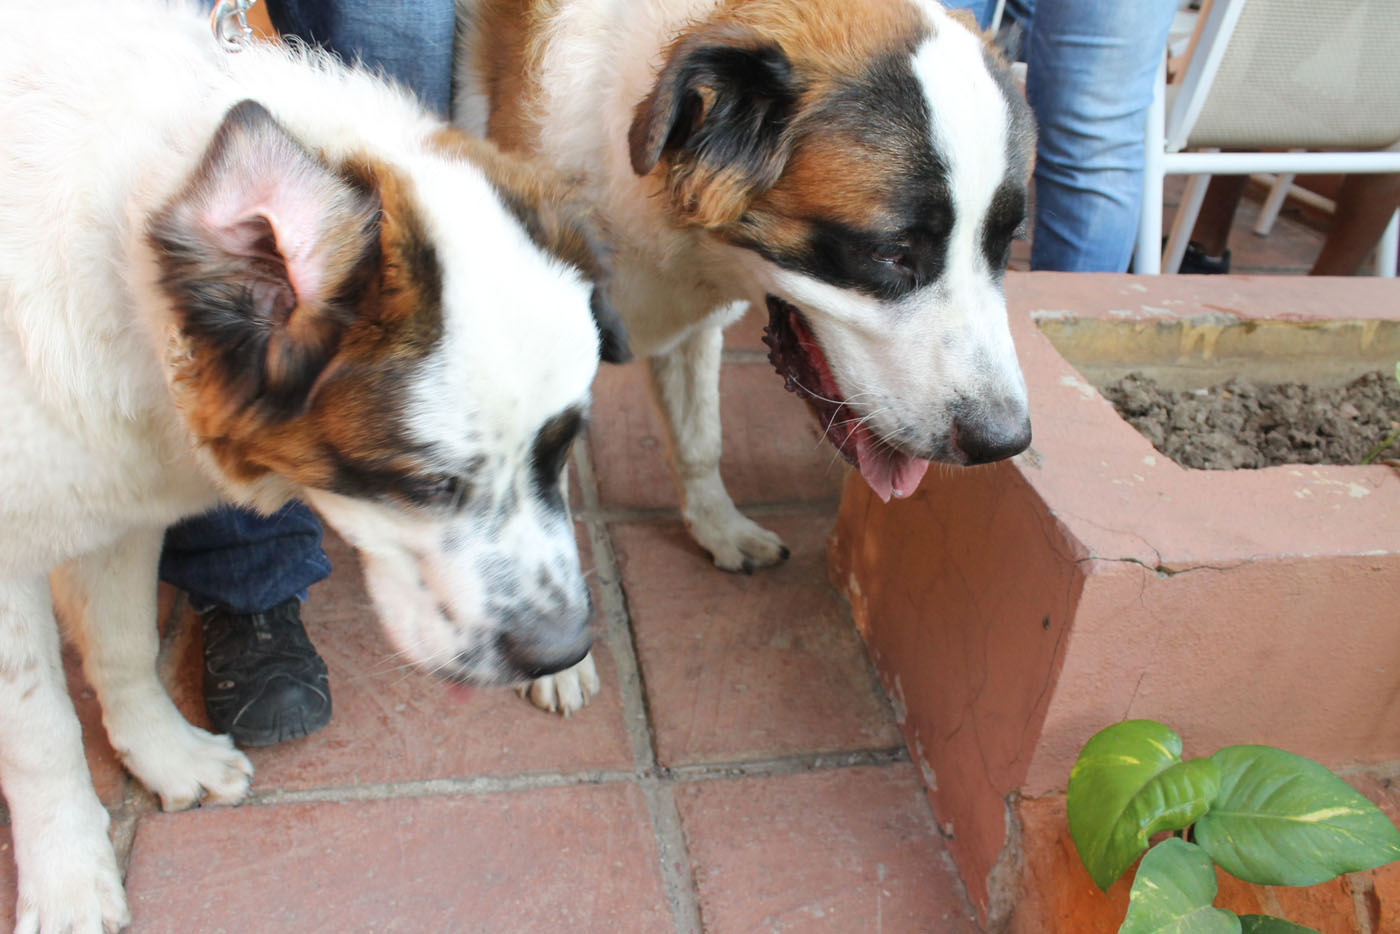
{"x":1015,"y":609}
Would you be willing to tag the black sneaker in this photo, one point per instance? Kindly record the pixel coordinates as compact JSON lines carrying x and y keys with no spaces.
{"x":1194,"y":262}
{"x":263,"y":681}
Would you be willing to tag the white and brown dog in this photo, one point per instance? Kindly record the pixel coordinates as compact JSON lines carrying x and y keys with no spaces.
{"x":860,"y":166}
{"x":252,"y":277}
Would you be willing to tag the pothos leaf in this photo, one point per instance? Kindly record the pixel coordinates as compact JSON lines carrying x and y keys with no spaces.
{"x":1172,"y":894}
{"x":1128,"y":784}
{"x":1281,"y":819}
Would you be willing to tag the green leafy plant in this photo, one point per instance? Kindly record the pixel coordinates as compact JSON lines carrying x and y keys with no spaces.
{"x":1261,"y":814}
{"x":1390,"y":439}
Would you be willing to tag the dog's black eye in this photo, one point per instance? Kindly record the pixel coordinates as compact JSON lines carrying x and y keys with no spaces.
{"x":440,"y":490}
{"x":895,"y":255}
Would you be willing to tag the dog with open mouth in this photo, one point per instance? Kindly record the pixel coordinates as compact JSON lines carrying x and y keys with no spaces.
{"x":857,"y":167}
{"x":246,"y":278}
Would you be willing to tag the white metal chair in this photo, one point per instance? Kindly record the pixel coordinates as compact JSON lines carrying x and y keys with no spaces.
{"x":1315,"y":75}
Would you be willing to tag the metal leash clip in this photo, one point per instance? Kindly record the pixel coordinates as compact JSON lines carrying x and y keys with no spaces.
{"x":230,"y":24}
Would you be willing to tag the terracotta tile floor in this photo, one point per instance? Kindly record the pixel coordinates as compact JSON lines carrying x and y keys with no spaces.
{"x":739,"y":772}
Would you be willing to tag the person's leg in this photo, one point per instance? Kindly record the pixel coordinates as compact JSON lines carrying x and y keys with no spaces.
{"x":411,"y":41}
{"x":245,"y":562}
{"x":246,"y":575}
{"x":1091,"y":65}
{"x":1211,"y":234}
{"x":1015,"y":17}
{"x":1364,"y":206}
{"x":1207,"y":250}
{"x":982,"y":9}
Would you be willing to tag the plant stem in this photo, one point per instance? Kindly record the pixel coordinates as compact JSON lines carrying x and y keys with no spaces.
{"x":1393,"y":437}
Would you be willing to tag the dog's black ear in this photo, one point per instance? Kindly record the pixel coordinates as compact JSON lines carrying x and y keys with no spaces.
{"x":553,"y":212}
{"x":717,"y":119}
{"x":613,"y":346}
{"x":261,"y":253}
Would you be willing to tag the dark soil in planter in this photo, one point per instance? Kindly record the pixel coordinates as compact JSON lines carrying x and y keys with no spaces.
{"x":1242,"y":424}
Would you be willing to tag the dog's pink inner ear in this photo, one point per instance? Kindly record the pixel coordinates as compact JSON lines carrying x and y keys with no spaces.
{"x":263,"y":198}
{"x":258,"y":248}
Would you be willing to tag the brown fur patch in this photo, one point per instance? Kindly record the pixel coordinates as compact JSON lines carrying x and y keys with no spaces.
{"x":506,"y":34}
{"x":825,"y":41}
{"x":349,"y":421}
{"x":832,"y":176}
{"x":828,"y":177}
{"x":806,"y":52}
{"x":828,"y":39}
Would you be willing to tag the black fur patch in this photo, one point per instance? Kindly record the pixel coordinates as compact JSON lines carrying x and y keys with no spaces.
{"x":723,"y":98}
{"x":550,"y":451}
{"x":882,"y":113}
{"x":1006,"y":217}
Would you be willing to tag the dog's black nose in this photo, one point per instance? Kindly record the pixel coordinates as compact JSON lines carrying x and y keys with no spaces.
{"x":535,"y":658}
{"x":991,"y":432}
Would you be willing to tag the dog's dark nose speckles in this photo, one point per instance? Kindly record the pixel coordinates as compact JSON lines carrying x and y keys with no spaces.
{"x":991,"y":432}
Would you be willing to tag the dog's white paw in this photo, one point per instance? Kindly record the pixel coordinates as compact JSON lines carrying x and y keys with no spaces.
{"x":564,"y":691}
{"x":734,"y":541}
{"x":184,"y":765}
{"x":68,"y":880}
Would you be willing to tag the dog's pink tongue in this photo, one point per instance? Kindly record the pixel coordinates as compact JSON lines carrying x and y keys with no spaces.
{"x":889,"y":473}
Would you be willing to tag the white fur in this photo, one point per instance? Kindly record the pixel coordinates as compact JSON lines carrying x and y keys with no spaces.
{"x":106,"y":106}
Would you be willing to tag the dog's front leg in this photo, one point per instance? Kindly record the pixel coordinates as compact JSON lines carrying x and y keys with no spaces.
{"x":68,"y":878}
{"x":686,"y":383}
{"x":110,"y":597}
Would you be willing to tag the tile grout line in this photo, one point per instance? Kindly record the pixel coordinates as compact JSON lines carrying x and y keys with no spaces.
{"x":618,"y":632}
{"x":438,"y":787}
{"x":788,"y":765}
{"x":534,"y":781}
{"x":137,"y":802}
{"x":673,"y":855}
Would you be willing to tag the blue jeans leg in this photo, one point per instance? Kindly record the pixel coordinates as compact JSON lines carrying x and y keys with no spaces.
{"x":982,"y":9}
{"x":1091,"y":65}
{"x":1015,"y":10}
{"x":243,"y":561}
{"x":410,"y":40}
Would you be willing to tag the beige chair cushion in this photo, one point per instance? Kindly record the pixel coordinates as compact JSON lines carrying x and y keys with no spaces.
{"x":1307,"y":74}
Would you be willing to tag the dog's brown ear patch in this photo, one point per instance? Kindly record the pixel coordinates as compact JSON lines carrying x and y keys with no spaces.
{"x":716,"y":121}
{"x":258,"y":253}
{"x":558,"y":219}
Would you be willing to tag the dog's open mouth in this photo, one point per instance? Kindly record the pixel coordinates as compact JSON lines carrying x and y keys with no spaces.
{"x":798,"y":358}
